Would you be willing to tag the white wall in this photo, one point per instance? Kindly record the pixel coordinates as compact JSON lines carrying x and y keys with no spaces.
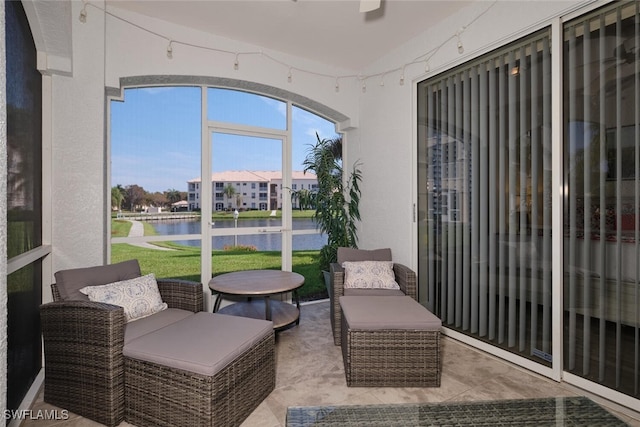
{"x":78,"y":154}
{"x":133,"y":52}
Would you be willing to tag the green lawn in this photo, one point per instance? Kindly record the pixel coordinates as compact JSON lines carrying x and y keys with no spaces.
{"x":183,"y":262}
{"x":120,"y":228}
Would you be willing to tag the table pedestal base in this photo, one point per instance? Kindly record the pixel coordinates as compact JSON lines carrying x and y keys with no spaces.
{"x":283,"y":314}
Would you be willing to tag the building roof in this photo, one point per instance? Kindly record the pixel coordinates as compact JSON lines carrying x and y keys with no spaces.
{"x":256,"y":176}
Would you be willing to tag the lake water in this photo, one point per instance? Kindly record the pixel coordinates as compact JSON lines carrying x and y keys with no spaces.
{"x":262,"y":241}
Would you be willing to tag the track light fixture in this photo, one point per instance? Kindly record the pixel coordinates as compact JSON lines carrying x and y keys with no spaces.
{"x":337,"y":87}
{"x":402,"y":77}
{"x":289,"y":76}
{"x":236,"y":63}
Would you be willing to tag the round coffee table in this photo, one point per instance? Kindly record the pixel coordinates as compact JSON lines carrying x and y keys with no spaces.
{"x":260,"y":284}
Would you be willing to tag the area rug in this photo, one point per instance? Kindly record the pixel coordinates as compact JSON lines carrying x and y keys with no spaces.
{"x":560,"y":411}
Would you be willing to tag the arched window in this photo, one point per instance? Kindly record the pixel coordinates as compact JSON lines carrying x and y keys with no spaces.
{"x":247,"y":213}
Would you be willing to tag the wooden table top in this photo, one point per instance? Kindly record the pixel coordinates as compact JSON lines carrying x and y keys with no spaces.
{"x":256,"y":282}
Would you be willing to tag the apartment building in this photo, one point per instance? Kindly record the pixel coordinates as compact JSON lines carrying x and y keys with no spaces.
{"x":250,"y":190}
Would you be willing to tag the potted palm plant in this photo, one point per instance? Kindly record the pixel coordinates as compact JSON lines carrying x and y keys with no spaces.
{"x":336,"y":199}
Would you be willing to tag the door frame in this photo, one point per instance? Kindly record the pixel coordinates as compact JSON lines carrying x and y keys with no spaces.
{"x":206,"y":192}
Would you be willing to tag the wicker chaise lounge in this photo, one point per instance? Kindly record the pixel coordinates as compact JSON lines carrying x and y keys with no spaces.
{"x":83,"y":340}
{"x":388,"y":339}
{"x":102,"y":367}
{"x":404,"y":277}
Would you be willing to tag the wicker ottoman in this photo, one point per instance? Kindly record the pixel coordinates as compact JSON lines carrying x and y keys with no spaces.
{"x":389,"y":341}
{"x":206,"y":370}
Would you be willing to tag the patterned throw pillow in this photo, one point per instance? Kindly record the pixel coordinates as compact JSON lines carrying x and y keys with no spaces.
{"x":139,"y":297}
{"x":369,"y":274}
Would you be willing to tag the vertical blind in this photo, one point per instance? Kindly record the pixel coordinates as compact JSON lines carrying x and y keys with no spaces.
{"x":484,"y":178}
{"x":602,"y":197}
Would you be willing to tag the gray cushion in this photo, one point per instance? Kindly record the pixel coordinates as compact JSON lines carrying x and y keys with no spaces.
{"x":373,"y":292}
{"x":154,"y":322}
{"x":389,"y":312}
{"x":351,"y":254}
{"x":69,"y":282}
{"x":203,"y":343}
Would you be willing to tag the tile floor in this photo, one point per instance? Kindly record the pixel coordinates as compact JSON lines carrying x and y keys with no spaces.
{"x":310,"y":373}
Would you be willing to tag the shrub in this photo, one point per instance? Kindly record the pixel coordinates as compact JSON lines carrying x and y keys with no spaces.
{"x":240,"y":248}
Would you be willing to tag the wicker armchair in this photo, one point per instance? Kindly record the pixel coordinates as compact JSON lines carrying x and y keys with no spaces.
{"x":83,"y":341}
{"x":404,"y":276}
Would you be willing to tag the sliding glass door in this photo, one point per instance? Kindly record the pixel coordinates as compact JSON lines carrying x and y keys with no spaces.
{"x":484,"y":179}
{"x":602,"y":197}
{"x":485,"y":169}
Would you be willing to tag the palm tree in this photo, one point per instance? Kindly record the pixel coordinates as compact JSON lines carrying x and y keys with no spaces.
{"x":304,"y":198}
{"x":229,"y":191}
{"x":334,"y":146}
{"x":295,"y":197}
{"x":173,"y":195}
{"x":117,"y":197}
{"x":336,"y":201}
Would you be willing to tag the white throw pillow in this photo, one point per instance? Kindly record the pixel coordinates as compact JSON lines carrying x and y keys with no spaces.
{"x":369,"y":275}
{"x":139,"y":297}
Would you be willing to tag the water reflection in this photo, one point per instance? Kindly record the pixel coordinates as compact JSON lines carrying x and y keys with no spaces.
{"x":262,"y":241}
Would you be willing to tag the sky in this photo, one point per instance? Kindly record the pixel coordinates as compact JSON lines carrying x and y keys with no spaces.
{"x":155,"y":135}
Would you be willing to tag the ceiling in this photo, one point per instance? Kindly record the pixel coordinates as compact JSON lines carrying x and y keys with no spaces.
{"x":332,"y":32}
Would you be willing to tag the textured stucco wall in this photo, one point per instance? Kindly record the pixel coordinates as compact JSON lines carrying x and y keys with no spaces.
{"x":3,"y":218}
{"x":132,"y":52}
{"x":78,"y":151}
